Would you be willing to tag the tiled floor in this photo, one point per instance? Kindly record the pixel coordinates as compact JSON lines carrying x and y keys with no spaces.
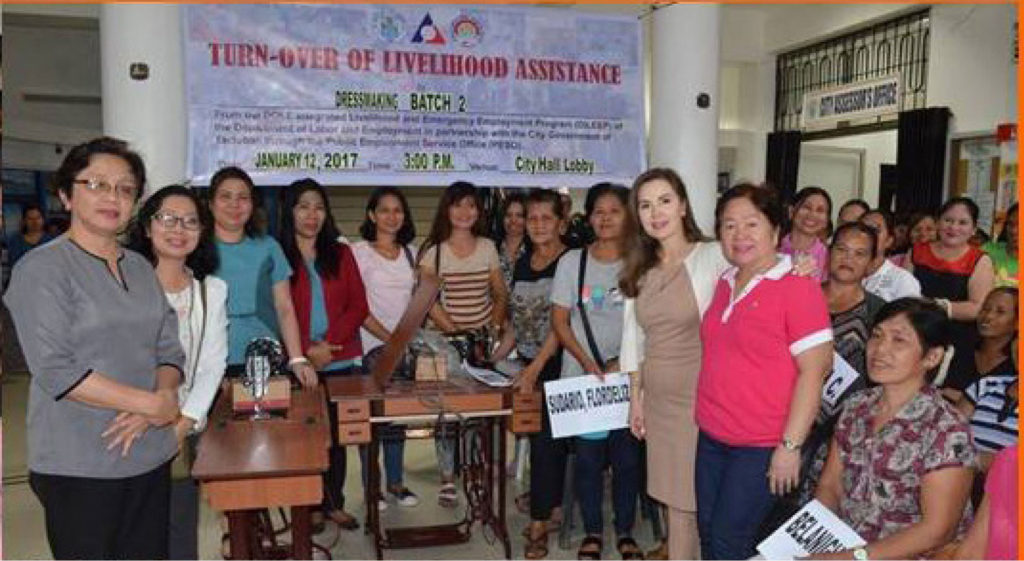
{"x":24,"y":537}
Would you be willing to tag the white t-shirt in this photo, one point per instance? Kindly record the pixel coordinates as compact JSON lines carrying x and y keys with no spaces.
{"x":388,"y":283}
{"x":890,"y":282}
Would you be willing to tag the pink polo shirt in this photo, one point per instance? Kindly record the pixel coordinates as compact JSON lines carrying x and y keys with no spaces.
{"x":748,"y":371}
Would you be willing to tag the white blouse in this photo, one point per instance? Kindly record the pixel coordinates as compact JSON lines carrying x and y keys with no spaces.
{"x":206,"y":351}
{"x":705,"y":265}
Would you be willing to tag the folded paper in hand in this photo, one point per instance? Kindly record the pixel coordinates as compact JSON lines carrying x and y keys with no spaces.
{"x":813,"y":529}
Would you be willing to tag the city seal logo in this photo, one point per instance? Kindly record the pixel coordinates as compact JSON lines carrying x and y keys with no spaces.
{"x":466,"y":31}
{"x":387,"y":25}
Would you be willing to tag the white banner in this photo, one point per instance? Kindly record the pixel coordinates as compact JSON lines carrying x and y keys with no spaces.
{"x":414,"y":94}
{"x":813,"y":529}
{"x":584,"y":404}
{"x":867,"y":98}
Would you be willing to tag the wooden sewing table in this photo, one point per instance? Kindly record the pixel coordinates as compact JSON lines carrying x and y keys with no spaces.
{"x":364,"y":407}
{"x":245,"y":466}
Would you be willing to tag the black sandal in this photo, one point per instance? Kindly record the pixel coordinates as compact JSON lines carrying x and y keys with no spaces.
{"x":590,"y":548}
{"x":628,"y":548}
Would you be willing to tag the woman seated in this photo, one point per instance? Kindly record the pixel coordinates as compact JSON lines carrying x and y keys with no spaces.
{"x":990,"y":402}
{"x":900,"y":465}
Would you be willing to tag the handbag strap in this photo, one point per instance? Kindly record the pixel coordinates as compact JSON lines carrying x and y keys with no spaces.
{"x":408,"y":257}
{"x":583,"y":311}
{"x":202,"y":332}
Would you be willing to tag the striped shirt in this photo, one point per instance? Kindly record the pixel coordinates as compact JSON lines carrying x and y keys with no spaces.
{"x":466,"y":282}
{"x":994,"y":421}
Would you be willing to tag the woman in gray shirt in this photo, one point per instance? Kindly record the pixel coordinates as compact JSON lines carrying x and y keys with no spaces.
{"x":102,"y":347}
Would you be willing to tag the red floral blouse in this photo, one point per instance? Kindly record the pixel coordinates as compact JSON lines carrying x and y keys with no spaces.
{"x":882,"y":472}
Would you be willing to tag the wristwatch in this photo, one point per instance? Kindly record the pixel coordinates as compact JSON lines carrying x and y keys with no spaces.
{"x":860,"y":554}
{"x":790,"y":445}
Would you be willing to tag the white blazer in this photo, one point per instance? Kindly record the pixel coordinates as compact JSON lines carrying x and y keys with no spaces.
{"x":203,"y":373}
{"x":705,"y":265}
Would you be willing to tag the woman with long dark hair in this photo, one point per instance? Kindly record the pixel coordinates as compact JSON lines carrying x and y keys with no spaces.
{"x":174,"y":231}
{"x":810,"y":225}
{"x":330,"y":306}
{"x":669,"y":276}
{"x":473,"y":293}
{"x":511,"y":237}
{"x":386,"y":263}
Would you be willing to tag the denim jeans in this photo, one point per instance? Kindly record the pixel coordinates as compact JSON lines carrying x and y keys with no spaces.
{"x":622,"y":451}
{"x":392,"y":441}
{"x":732,"y":497}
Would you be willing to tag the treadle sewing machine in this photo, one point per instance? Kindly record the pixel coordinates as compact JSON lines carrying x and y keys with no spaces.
{"x":480,"y":413}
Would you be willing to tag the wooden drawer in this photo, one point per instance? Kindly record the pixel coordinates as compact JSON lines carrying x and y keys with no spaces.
{"x":525,"y":422}
{"x":353,"y":410}
{"x":462,"y":403}
{"x":353,"y":433}
{"x":527,"y":401}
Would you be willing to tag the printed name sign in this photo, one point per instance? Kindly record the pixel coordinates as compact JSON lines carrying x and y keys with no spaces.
{"x":583,"y":404}
{"x":813,"y":529}
{"x":843,"y":376}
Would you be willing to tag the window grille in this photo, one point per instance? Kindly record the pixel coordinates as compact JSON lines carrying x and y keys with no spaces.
{"x":897,"y":45}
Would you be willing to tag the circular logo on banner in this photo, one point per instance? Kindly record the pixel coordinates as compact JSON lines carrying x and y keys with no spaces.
{"x":466,"y":31}
{"x":387,"y":25}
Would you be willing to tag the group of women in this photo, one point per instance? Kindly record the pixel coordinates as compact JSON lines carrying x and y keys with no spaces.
{"x":730,"y":409}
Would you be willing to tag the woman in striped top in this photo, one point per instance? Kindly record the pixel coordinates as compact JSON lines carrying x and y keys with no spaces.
{"x":990,"y":402}
{"x":473,"y":293}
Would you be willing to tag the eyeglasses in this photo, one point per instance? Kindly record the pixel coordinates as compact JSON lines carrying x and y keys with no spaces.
{"x":168,"y":221}
{"x":122,"y":188}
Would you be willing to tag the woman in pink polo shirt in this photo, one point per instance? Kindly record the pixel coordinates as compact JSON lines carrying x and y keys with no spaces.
{"x":767,"y":346}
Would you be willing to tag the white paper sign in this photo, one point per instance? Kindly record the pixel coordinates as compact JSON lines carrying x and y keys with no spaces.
{"x":843,"y":376}
{"x":583,"y":404}
{"x":813,"y":529}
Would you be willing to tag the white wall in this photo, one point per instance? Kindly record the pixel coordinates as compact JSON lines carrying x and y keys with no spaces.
{"x":971,"y":67}
{"x":54,"y":51}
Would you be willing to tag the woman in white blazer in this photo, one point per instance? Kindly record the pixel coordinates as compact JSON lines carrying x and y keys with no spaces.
{"x":175,"y":232}
{"x":669,"y":279}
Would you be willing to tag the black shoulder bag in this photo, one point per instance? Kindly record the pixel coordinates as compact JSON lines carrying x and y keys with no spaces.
{"x":583,"y":311}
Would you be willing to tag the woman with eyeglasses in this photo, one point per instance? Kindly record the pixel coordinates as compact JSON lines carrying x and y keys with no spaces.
{"x":257,"y":273}
{"x":174,"y":231}
{"x":102,"y":346}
